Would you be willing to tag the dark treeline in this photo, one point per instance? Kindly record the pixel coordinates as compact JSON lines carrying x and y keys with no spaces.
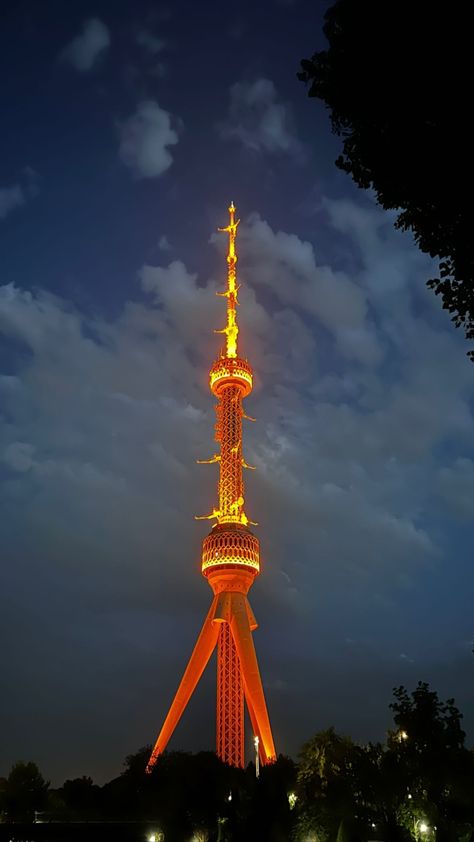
{"x":418,"y":785}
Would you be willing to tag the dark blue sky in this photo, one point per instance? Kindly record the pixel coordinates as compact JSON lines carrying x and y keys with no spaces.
{"x":126,"y":130}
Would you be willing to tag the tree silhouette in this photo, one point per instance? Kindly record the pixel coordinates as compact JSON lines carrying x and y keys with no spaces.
{"x":25,"y":792}
{"x":437,"y":769}
{"x":423,"y":774}
{"x":81,"y":798}
{"x":326,"y":785}
{"x":395,"y":78}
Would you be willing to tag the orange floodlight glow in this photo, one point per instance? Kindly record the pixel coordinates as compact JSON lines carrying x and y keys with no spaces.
{"x":230,"y":562}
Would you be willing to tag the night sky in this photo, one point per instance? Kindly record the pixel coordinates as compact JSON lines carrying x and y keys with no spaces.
{"x":127,"y":128}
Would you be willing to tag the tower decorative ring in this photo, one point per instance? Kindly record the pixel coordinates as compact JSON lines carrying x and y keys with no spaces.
{"x":230,"y":546}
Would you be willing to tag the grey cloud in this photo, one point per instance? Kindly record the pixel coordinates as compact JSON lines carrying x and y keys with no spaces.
{"x":287,"y":266}
{"x":111,"y":420}
{"x":103,"y":421}
{"x":176,"y":291}
{"x":145,"y":139}
{"x":10,"y":198}
{"x":259,"y":120}
{"x":164,"y":244}
{"x":16,"y":195}
{"x":84,"y":50}
{"x":37,"y":321}
{"x":18,"y":456}
{"x":456,"y":486}
{"x":150,"y":42}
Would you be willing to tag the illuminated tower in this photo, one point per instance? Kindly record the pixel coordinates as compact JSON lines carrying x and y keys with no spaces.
{"x":230,"y":563}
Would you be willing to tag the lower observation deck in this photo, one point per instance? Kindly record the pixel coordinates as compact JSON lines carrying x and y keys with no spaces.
{"x":231,"y":371}
{"x":230,"y":545}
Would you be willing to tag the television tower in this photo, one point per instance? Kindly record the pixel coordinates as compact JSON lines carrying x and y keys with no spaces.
{"x":230,"y":563}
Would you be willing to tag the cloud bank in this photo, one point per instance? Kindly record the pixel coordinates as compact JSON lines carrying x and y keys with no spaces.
{"x":103,"y":421}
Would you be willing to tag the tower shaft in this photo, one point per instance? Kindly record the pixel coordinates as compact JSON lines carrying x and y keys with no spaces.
{"x":229,"y":434}
{"x":230,"y":563}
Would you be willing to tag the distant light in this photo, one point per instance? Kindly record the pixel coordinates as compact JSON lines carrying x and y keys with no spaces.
{"x":256,"y":742}
{"x":423,"y":827}
{"x":152,"y":837}
{"x":403,"y":735}
{"x":292,"y":799}
{"x":410,"y":795}
{"x":229,"y":797}
{"x":373,"y":824}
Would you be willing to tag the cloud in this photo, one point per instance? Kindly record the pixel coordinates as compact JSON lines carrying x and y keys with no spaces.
{"x":145,"y":138}
{"x":259,"y":120}
{"x":164,"y":244}
{"x":10,"y":198}
{"x":16,"y":195}
{"x":103,"y":419}
{"x":335,"y":456}
{"x":287,"y":266}
{"x":84,"y":50}
{"x":18,"y":456}
{"x":150,"y":42}
{"x":456,"y":486}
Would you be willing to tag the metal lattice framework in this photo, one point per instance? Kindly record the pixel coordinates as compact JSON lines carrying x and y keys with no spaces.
{"x":230,"y":563}
{"x":230,"y":701}
{"x":231,"y":486}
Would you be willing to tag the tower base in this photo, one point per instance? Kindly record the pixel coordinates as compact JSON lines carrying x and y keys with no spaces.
{"x":231,"y":616}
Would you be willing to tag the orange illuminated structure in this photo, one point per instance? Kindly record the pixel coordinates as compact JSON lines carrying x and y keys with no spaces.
{"x":230,"y":563}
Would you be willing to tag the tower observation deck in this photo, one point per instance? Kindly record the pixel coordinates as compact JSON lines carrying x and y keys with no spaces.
{"x":230,"y":561}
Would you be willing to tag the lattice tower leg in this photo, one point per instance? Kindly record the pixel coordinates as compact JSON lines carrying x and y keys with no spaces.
{"x":230,"y":701}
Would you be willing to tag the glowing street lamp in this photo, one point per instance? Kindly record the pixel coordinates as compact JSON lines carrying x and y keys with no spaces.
{"x":421,"y":827}
{"x":257,"y":760}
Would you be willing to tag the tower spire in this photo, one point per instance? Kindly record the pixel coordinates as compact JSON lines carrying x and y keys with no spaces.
{"x":230,"y":563}
{"x":231,"y":329}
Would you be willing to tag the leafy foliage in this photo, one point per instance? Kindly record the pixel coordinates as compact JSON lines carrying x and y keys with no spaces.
{"x":394,"y":78}
{"x":326,"y":783}
{"x":422,"y":776}
{"x":434,"y":760}
{"x":25,"y":792}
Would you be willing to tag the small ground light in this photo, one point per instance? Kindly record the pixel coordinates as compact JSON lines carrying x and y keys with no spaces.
{"x":229,"y":797}
{"x":373,"y":824}
{"x":424,"y":827}
{"x":410,"y":795}
{"x":292,"y":799}
{"x":152,"y":837}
